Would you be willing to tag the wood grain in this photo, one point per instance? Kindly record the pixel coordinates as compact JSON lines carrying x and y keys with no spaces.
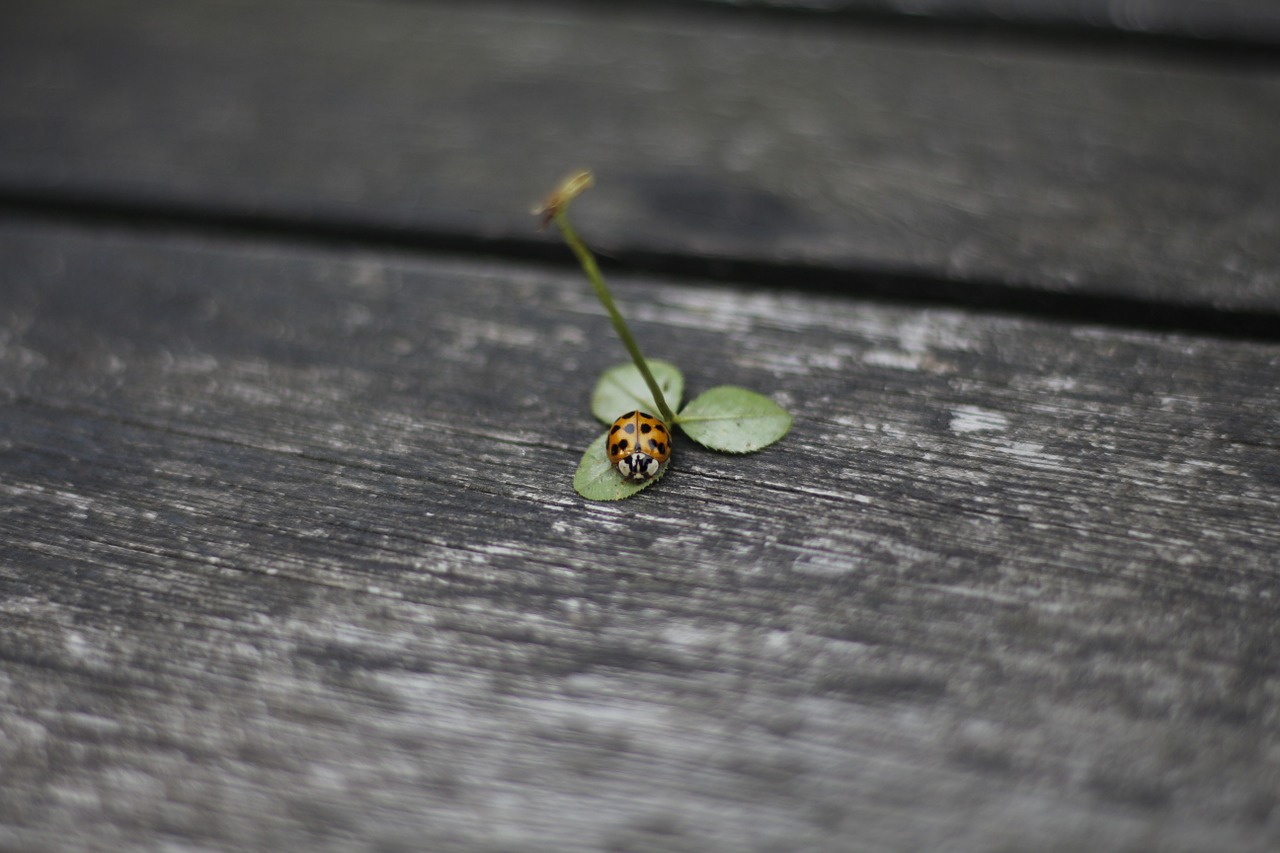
{"x":1240,"y":21}
{"x":289,"y":557}
{"x":994,"y":164}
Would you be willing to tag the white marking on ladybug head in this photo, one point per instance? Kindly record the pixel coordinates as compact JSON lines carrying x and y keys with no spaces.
{"x":638,"y":466}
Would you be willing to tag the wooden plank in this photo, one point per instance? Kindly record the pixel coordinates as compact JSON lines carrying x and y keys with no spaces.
{"x":992,"y":165}
{"x":290,"y":558}
{"x":1247,"y":21}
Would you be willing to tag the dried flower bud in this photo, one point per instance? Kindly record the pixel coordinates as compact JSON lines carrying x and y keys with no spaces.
{"x":569,"y":189}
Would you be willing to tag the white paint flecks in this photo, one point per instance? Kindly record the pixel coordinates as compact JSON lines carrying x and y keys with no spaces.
{"x":894,"y":359}
{"x":966,"y":419}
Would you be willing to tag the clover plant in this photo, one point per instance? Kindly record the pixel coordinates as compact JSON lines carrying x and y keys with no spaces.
{"x":726,"y":418}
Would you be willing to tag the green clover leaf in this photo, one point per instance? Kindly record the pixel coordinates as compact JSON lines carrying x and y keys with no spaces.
{"x":733,"y":420}
{"x":622,"y":388}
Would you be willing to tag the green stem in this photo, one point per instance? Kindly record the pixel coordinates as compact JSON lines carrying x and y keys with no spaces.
{"x":589,"y":266}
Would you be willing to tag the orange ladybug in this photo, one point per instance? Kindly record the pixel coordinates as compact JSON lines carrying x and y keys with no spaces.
{"x":638,"y":445}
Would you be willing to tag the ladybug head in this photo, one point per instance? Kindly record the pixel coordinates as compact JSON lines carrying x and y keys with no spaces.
{"x":638,"y":466}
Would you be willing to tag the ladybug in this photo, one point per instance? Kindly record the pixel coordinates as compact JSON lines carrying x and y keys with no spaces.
{"x":638,"y":445}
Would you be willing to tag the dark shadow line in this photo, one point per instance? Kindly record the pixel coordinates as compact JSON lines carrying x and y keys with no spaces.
{"x":871,"y":283}
{"x":1230,"y":45}
{"x":909,"y":287}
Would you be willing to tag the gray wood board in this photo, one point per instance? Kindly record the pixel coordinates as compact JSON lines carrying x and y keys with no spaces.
{"x":981,"y":162}
{"x":289,"y":557}
{"x":1248,"y":21}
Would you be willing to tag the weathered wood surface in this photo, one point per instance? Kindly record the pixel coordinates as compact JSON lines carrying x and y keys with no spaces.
{"x":992,"y":164}
{"x":1246,"y":21}
{"x":291,"y":558}
{"x":289,"y":555}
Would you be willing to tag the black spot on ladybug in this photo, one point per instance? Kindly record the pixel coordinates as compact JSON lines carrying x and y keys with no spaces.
{"x":616,"y":427}
{"x":659,"y":427}
{"x":658,"y":446}
{"x":630,"y":414}
{"x":645,"y":428}
{"x":622,"y":444}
